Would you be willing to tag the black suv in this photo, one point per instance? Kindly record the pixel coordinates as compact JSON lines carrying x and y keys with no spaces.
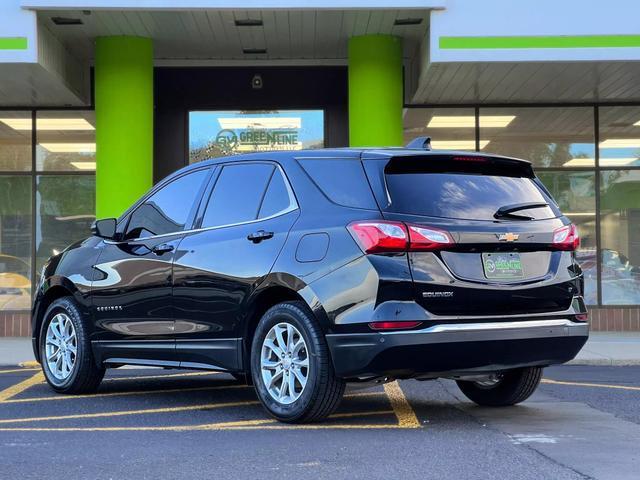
{"x":301,"y":271}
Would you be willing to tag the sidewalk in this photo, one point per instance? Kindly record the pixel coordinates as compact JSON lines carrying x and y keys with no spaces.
{"x":603,"y":348}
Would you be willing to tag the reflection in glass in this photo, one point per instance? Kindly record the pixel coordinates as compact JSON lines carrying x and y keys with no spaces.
{"x":65,"y":209}
{"x":15,"y":243}
{"x":619,"y":136}
{"x":15,"y":141}
{"x":576,"y":195}
{"x":449,"y":128}
{"x":220,"y":133}
{"x":548,"y":137}
{"x":66,"y":141}
{"x":620,"y":236}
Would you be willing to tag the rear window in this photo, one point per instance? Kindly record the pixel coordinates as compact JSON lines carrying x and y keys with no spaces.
{"x":462,"y":190}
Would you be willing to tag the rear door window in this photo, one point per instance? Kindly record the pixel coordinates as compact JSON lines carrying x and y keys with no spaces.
{"x":237,"y":194}
{"x":461,"y":190}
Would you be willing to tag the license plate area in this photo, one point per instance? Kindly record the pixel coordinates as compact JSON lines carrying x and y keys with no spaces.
{"x":502,"y":266}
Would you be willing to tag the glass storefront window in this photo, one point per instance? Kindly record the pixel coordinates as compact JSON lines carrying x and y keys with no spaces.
{"x":449,"y":128}
{"x":620,"y":236}
{"x":15,"y":242}
{"x":619,"y":136}
{"x":575,"y":193}
{"x":66,"y":141}
{"x":220,"y":133}
{"x":548,"y":137}
{"x":65,"y":209}
{"x":15,"y":141}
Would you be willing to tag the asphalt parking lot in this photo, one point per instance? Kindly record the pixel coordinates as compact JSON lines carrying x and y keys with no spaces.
{"x":584,"y":422}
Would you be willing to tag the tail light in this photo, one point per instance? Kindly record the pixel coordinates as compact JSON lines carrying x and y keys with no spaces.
{"x":566,"y":238}
{"x":392,"y":325}
{"x":379,"y":236}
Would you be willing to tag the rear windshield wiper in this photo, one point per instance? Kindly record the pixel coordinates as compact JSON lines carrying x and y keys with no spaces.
{"x":508,"y":211}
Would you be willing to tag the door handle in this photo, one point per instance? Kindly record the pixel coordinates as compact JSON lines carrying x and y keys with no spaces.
{"x":162,"y":248}
{"x":257,"y":237}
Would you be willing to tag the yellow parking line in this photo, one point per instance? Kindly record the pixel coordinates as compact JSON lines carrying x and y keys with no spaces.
{"x":406,"y":416}
{"x":173,"y":375}
{"x":30,"y":364}
{"x":145,"y":392}
{"x":132,"y":412}
{"x":596,"y":385}
{"x":122,"y":394}
{"x":234,"y":425}
{"x":18,"y":370}
{"x":13,"y":390}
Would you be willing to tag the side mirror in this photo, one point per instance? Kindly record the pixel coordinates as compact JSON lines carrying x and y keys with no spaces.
{"x":105,"y":228}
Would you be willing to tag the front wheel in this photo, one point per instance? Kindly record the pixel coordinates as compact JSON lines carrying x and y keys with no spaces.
{"x":65,"y":350}
{"x":291,"y":366}
{"x":503,"y":389}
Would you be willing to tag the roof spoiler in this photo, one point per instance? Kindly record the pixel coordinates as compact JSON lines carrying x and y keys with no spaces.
{"x":419,"y":143}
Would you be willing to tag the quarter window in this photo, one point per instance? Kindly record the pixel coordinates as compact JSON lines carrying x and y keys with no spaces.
{"x":167,"y":210}
{"x":276,"y":199}
{"x":237,"y":194}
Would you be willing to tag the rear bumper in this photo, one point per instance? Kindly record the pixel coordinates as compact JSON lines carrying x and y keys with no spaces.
{"x":448,"y":349}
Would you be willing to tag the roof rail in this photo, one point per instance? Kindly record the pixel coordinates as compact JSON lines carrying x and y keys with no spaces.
{"x":420,"y":143}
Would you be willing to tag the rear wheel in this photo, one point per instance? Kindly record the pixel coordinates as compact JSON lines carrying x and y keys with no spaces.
{"x":65,"y":350}
{"x":503,"y":389}
{"x":291,"y":366}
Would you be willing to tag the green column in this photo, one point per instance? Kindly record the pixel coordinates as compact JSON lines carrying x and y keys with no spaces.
{"x":124,"y":122}
{"x":375,"y":91}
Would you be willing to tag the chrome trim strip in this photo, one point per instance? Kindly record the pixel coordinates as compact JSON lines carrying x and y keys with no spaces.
{"x":481,"y":327}
{"x":568,"y":311}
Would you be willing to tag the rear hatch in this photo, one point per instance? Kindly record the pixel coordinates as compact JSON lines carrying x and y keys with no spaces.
{"x":501,"y":257}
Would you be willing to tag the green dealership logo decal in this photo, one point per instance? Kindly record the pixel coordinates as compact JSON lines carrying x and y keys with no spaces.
{"x":261,"y":139}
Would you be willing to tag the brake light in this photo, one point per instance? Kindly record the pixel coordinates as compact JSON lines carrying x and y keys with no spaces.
{"x":566,"y":238}
{"x":379,"y":236}
{"x":392,"y":325}
{"x":470,"y":159}
{"x":427,"y":238}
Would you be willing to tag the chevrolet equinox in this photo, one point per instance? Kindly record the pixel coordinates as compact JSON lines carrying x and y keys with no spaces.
{"x":301,"y":271}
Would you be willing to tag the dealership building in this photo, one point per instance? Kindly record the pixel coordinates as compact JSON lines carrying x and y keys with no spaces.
{"x":100,"y":99}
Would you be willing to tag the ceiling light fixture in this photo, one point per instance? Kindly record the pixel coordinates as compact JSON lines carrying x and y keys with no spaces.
{"x":254,"y":51}
{"x":48,"y":123}
{"x":249,"y":22}
{"x":620,"y":143}
{"x":66,"y":21}
{"x":84,"y":165}
{"x":407,"y":21}
{"x":469,"y":121}
{"x":457,"y":144}
{"x":69,"y":147}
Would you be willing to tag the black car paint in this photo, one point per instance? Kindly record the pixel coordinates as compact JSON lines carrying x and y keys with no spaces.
{"x":196,"y":306}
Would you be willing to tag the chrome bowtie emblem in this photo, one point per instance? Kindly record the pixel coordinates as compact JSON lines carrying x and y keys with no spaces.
{"x":508,"y":237}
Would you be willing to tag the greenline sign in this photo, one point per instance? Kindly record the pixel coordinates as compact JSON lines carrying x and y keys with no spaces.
{"x":13,"y":43}
{"x":544,"y":41}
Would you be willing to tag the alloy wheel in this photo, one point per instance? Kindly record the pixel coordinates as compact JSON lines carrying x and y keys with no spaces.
{"x":284,"y":361}
{"x":61,"y":346}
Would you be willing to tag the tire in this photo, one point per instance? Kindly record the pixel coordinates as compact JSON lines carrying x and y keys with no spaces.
{"x":513,"y":387}
{"x":84,"y":376}
{"x":322,"y":392}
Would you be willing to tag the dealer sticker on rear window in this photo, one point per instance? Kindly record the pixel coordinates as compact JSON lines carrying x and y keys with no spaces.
{"x":503,"y":266}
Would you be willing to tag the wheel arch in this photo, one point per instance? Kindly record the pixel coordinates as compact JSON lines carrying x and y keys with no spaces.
{"x":275,"y":289}
{"x":52,"y":289}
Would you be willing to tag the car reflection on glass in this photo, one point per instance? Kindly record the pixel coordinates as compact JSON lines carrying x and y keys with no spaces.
{"x":15,"y":286}
{"x":620,"y":278}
